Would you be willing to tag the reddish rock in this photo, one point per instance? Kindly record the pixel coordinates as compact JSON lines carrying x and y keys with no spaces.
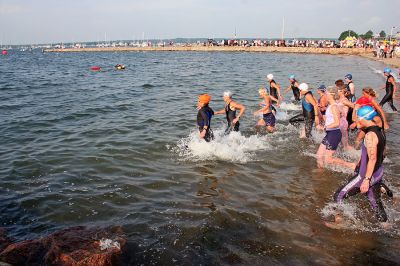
{"x":4,"y":240}
{"x":70,"y":247}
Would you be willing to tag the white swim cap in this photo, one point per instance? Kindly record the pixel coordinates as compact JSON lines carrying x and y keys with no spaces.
{"x":303,"y":87}
{"x":228,"y":94}
{"x":270,"y":76}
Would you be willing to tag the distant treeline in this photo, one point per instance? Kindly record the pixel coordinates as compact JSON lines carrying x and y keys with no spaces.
{"x":368,"y":35}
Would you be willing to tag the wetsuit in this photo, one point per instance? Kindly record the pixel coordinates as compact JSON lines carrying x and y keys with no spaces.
{"x":273,"y":91}
{"x":204,"y":119}
{"x":333,"y":135}
{"x":307,"y":116}
{"x":230,"y":116}
{"x":388,"y":98}
{"x":295,"y":89}
{"x":354,"y":183}
{"x":351,"y":97}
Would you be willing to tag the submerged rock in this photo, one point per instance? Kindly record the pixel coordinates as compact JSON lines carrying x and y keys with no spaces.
{"x":72,"y":246}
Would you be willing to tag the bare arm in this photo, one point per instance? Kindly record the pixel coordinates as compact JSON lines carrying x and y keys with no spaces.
{"x":314,"y":103}
{"x":239,"y":106}
{"x":220,"y":112}
{"x":278,"y":89}
{"x":394,"y":85}
{"x":381,"y":112}
{"x":352,"y":88}
{"x":371,"y":142}
{"x":288,"y":89}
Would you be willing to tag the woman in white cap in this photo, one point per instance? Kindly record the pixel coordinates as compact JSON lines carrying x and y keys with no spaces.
{"x":274,"y":89}
{"x":230,"y":112}
{"x":310,"y":111}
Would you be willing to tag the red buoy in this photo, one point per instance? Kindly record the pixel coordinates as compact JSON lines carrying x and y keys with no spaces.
{"x":4,"y":52}
{"x":95,"y":68}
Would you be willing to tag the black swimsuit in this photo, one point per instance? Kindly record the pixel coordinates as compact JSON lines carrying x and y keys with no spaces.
{"x":388,"y":98}
{"x":296,"y":91}
{"x":230,"y":116}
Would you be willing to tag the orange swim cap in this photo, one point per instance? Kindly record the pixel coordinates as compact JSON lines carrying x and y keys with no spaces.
{"x":204,"y":98}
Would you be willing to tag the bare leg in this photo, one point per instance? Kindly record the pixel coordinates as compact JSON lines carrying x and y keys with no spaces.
{"x":329,"y":159}
{"x":320,"y":155}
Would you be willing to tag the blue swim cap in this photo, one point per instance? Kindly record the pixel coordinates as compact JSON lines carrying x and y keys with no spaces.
{"x":349,"y":76}
{"x":322,"y":87}
{"x":366,"y":112}
{"x":292,"y":76}
{"x":387,"y":70}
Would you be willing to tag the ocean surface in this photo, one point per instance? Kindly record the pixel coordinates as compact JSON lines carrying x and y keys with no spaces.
{"x":121,"y":148}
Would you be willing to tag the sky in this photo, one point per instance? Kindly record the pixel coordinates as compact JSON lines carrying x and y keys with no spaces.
{"x":56,"y":21}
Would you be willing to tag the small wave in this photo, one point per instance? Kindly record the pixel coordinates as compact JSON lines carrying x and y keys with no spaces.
{"x":233,"y":147}
{"x":147,"y":86}
{"x":356,"y":218}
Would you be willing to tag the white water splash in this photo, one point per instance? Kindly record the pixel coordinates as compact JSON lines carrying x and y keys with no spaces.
{"x":290,"y":106}
{"x":233,"y":147}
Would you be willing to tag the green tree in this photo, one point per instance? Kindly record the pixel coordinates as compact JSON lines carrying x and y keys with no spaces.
{"x":369,"y":35}
{"x":382,"y":34}
{"x":346,"y":34}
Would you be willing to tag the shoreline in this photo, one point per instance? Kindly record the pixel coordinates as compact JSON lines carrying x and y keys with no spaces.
{"x":363,"y":52}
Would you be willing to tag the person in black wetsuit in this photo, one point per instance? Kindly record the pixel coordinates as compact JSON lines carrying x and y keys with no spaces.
{"x":370,"y":168}
{"x":204,"y":117}
{"x":230,"y":112}
{"x":390,"y":87}
{"x":310,"y":111}
{"x":350,"y":88}
{"x":294,"y":86}
{"x":274,"y":91}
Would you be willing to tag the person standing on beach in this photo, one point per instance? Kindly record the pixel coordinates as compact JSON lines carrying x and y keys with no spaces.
{"x":294,"y":86}
{"x":204,"y":117}
{"x":230,"y":111}
{"x":390,"y":87}
{"x":310,"y":112}
{"x":333,"y":136}
{"x":268,"y":117}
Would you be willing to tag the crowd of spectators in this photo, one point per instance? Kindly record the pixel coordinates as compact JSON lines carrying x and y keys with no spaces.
{"x":382,"y":48}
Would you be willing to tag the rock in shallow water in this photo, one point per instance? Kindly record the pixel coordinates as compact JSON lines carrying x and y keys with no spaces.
{"x":73,"y":246}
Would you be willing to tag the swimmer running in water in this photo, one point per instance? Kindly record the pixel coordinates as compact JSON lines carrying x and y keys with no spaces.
{"x":274,"y":91}
{"x":390,"y":87}
{"x":230,"y":111}
{"x":369,"y":178}
{"x":310,"y":112}
{"x":333,"y":135}
{"x":351,"y":89}
{"x":204,"y":117}
{"x":268,"y":119}
{"x":369,"y":99}
{"x":322,"y":102}
{"x":294,"y":86}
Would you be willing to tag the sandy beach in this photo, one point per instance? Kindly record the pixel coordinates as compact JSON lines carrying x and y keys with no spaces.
{"x":367,"y":53}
